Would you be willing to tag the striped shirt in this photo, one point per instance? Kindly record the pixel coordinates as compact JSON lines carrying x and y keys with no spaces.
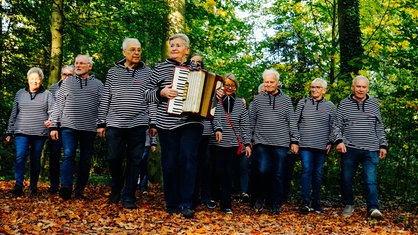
{"x":238,"y":115}
{"x":30,"y":111}
{"x":123,"y":104}
{"x":77,"y":104}
{"x":54,"y":88}
{"x":314,"y":121}
{"x":162,"y":76}
{"x":270,"y":119}
{"x":359,"y":124}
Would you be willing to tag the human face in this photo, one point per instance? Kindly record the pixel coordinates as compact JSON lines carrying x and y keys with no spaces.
{"x":229,"y":87}
{"x":271,"y":84}
{"x":317,"y":91}
{"x":82,"y":66}
{"x":65,"y":73}
{"x":360,"y":88}
{"x":178,"y":50}
{"x":34,"y":81}
{"x":132,"y":53}
{"x":197,"y":60}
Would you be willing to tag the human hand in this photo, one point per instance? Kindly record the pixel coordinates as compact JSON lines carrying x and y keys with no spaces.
{"x":101,"y":132}
{"x":341,"y":148}
{"x":169,"y":92}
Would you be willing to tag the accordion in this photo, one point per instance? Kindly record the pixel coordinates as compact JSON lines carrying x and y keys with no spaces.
{"x":196,"y":92}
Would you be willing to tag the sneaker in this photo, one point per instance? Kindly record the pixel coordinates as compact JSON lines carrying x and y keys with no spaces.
{"x":17,"y":190}
{"x":187,"y":212}
{"x":65,"y":193}
{"x":228,"y":211}
{"x":375,"y":213}
{"x":244,"y":197}
{"x":211,"y":204}
{"x":276,"y":209}
{"x":114,"y":197}
{"x":348,"y":210}
{"x":258,"y":205}
{"x":129,"y":205}
{"x":317,"y":208}
{"x":144,"y":192}
{"x":305,"y":208}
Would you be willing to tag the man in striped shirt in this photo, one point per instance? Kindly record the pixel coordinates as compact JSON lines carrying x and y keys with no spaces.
{"x":270,"y":124}
{"x":75,"y":110}
{"x":123,"y":119}
{"x":360,"y":138}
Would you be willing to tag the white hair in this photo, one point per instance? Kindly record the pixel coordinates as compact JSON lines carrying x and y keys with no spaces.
{"x":273,"y":72}
{"x":36,"y":70}
{"x":129,"y":40}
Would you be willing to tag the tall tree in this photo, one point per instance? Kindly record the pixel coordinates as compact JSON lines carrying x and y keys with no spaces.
{"x":57,"y":24}
{"x":175,"y":21}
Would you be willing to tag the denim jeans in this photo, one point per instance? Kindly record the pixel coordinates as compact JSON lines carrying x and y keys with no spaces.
{"x":143,"y":170}
{"x":23,"y":143}
{"x":132,"y":142}
{"x":312,"y":165}
{"x":70,"y":140}
{"x":241,"y":173}
{"x":349,"y":164}
{"x":269,"y":163}
{"x":179,"y":156}
{"x":54,"y":161}
{"x":223,"y":157}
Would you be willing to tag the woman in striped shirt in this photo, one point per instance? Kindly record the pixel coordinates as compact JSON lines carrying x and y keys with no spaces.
{"x":31,"y":109}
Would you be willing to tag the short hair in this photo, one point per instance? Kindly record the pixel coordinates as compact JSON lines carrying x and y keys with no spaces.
{"x":261,"y":87}
{"x":36,"y":70}
{"x":320,"y":81}
{"x":90,"y":60}
{"x":183,"y":37}
{"x":202,"y":65}
{"x":231,"y":77}
{"x":69,"y":67}
{"x":272,"y":71}
{"x":126,"y":40}
{"x":360,"y":77}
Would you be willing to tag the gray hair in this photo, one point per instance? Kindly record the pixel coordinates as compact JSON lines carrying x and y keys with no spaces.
{"x":69,"y":67}
{"x":36,"y":70}
{"x":231,"y":77}
{"x":320,"y":81}
{"x":261,"y":87}
{"x":183,"y":37}
{"x":272,"y":71}
{"x":129,"y":40}
{"x":90,"y":60}
{"x":358,"y":78}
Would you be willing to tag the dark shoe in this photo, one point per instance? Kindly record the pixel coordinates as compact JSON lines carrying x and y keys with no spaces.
{"x":276,"y":209}
{"x":17,"y":191}
{"x":244,"y":197}
{"x":211,"y":204}
{"x":65,"y":193}
{"x":172,"y":211}
{"x":317,"y":208}
{"x":114,"y":197}
{"x":305,"y":208}
{"x":259,"y":205}
{"x":52,"y":190}
{"x":187,"y":212}
{"x":228,"y":211}
{"x":129,"y":205}
{"x":33,"y":192}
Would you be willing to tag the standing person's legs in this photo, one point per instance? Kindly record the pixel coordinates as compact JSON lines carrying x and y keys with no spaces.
{"x":349,"y":164}
{"x":319,"y":159}
{"x":54,"y":164}
{"x":143,"y":170}
{"x":370,"y":160}
{"x":261,"y":169}
{"x":86,"y":139}
{"x":22,"y":147}
{"x":306,"y":178}
{"x":116,"y":149}
{"x":278,"y":194}
{"x":69,"y":144}
{"x":37,"y":145}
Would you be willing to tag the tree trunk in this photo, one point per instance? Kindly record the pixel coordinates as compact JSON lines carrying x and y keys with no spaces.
{"x":176,"y":22}
{"x":351,"y":49}
{"x":57,"y":24}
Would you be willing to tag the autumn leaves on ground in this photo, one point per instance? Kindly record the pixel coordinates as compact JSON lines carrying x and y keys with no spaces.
{"x":49,"y":214}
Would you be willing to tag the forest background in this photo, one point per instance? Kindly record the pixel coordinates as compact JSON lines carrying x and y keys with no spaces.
{"x":333,"y":39}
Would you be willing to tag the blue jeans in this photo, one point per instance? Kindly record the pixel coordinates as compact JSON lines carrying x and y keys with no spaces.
{"x":132,"y":142}
{"x":269,"y":164}
{"x":179,"y":157}
{"x":143,"y":170}
{"x":70,"y":140}
{"x":54,"y":161}
{"x":223,"y":157}
{"x":36,"y":144}
{"x":312,"y":165}
{"x":349,"y":164}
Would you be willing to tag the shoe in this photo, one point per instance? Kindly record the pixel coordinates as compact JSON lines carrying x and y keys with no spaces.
{"x":187,"y":212}
{"x":129,"y":205}
{"x":65,"y":193}
{"x":258,"y":205}
{"x":144,"y":192}
{"x":244,"y":197}
{"x":52,"y":190}
{"x":228,"y":211}
{"x":33,"y":192}
{"x":172,"y":211}
{"x":211,"y":204}
{"x":305,"y":208}
{"x":317,"y":208}
{"x":375,"y":213}
{"x":114,"y":197}
{"x":276,"y":209}
{"x":17,"y":190}
{"x":348,"y":210}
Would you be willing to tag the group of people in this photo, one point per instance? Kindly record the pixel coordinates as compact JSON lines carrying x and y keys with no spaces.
{"x":197,"y":154}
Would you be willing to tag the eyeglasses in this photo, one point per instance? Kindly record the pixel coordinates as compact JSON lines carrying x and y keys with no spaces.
{"x":133,"y":50}
{"x":229,"y":85}
{"x":316,"y":87}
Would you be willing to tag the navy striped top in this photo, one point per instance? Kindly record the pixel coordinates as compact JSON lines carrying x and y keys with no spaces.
{"x":271,"y":119}
{"x":314,"y":121}
{"x":77,"y":103}
{"x":30,"y":111}
{"x":123,"y":104}
{"x":359,"y":124}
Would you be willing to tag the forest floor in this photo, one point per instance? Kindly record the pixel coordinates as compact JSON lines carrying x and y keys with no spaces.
{"x":49,"y":214}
